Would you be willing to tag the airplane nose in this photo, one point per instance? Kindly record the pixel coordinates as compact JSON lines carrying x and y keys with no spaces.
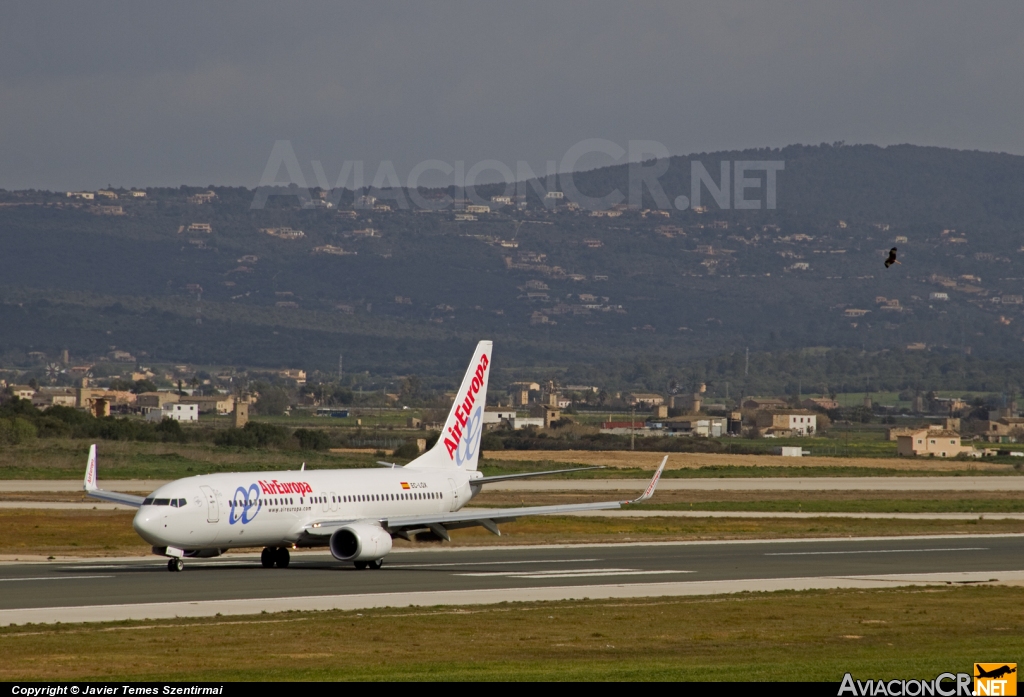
{"x":146,"y":524}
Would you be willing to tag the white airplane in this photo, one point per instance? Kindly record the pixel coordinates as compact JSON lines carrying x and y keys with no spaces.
{"x":354,"y":512}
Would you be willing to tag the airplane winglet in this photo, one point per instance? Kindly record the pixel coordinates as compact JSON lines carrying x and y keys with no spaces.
{"x":89,"y":484}
{"x":649,"y":492}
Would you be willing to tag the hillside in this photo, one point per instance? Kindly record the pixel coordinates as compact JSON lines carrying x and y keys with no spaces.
{"x":560,"y":289}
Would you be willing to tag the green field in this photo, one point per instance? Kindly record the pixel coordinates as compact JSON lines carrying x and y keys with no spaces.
{"x":796,"y":636}
{"x":60,"y":458}
{"x":41,"y":533}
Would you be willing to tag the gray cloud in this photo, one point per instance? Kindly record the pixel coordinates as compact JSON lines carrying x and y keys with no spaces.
{"x":139,"y":94}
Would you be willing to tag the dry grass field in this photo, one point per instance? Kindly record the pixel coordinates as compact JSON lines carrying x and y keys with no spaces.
{"x":625,"y":459}
{"x":795,"y":636}
{"x":34,"y":534}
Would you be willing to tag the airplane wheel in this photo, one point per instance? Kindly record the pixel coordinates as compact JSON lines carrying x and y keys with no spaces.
{"x":282,"y":557}
{"x":376,"y":563}
{"x":360,"y":564}
{"x":175,"y":565}
{"x":267,"y":558}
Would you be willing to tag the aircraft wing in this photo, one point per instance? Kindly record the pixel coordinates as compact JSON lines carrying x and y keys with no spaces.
{"x":89,"y":485}
{"x":440,"y":523}
{"x":523,"y":475}
{"x":116,"y":497}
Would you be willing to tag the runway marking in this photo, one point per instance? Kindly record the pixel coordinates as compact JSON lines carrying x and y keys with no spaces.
{"x":159,"y":564}
{"x":572,"y":573}
{"x":490,"y":563}
{"x":876,"y":551}
{"x":50,"y":578}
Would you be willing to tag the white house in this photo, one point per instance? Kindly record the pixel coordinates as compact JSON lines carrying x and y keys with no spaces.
{"x":801,"y":423}
{"x":494,"y":417}
{"x":176,"y":412}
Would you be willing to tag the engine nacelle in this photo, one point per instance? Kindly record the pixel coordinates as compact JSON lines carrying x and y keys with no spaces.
{"x":360,"y":542}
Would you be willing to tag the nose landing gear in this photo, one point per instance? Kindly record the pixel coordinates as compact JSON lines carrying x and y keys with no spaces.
{"x":372,"y":564}
{"x":175,"y":564}
{"x":275,"y":556}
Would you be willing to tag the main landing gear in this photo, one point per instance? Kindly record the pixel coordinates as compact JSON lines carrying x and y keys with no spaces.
{"x":275,"y":556}
{"x":175,"y":564}
{"x":372,"y":564}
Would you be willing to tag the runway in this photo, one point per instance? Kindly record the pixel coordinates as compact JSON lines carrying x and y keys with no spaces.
{"x":99,"y":589}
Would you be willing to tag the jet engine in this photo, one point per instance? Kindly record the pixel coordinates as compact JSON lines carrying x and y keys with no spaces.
{"x":360,"y":542}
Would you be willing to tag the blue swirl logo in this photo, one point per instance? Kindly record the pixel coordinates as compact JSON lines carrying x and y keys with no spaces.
{"x":246,"y":504}
{"x":470,"y":438}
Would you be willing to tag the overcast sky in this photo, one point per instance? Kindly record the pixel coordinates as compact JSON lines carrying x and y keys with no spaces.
{"x":143,"y":94}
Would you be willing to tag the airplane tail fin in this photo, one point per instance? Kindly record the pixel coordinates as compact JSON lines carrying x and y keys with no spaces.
{"x":459,"y":444}
{"x":89,"y":484}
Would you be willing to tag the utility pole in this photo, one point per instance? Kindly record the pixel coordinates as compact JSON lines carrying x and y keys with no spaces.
{"x":746,"y":364}
{"x":339,"y":367}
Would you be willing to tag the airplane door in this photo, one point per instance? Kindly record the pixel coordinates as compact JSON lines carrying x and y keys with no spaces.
{"x":334,"y":501}
{"x":212,"y":509}
{"x":455,"y":495}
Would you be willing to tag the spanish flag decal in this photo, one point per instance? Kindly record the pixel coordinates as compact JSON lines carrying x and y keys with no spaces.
{"x":405,"y":485}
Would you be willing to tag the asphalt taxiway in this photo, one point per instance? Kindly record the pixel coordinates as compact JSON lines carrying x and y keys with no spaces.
{"x":116,"y":589}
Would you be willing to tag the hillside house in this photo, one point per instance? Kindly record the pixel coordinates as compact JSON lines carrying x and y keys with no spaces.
{"x":496,"y":417}
{"x":23,"y":391}
{"x":547,"y":412}
{"x":823,"y":403}
{"x":200,"y":227}
{"x":1006,"y":429}
{"x":205,"y":197}
{"x":283,"y":233}
{"x":48,"y":397}
{"x":789,"y":423}
{"x":644,"y":400}
{"x":931,"y":443}
{"x":299,"y":376}
{"x":208,"y":404}
{"x":174,"y":412}
{"x":156,"y":400}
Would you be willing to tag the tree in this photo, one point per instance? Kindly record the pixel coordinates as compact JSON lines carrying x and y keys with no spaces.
{"x":141,"y":386}
{"x":311,"y":439}
{"x":273,"y":401}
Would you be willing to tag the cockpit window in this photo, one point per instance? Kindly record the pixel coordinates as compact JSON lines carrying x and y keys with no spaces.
{"x":148,"y":501}
{"x":161,"y":502}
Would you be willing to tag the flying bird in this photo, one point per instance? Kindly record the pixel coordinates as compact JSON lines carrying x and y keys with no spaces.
{"x":892,"y":258}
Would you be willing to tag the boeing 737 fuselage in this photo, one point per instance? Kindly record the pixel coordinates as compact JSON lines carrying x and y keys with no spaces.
{"x":354,"y":512}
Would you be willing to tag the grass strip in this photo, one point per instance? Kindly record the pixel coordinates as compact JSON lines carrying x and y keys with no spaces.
{"x":109,"y":533}
{"x":797,"y":636}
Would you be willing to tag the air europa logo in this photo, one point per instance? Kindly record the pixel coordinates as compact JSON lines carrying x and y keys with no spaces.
{"x":276,"y":487}
{"x":467,"y":422}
